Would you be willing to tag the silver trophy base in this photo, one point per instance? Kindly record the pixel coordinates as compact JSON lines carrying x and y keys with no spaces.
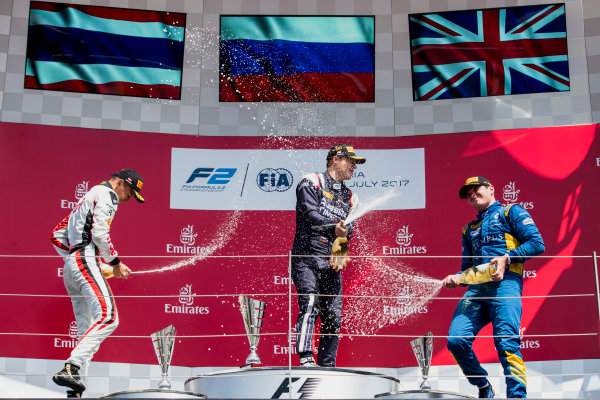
{"x":164,"y":383}
{"x":422,"y":394}
{"x":252,"y":358}
{"x":153,"y":394}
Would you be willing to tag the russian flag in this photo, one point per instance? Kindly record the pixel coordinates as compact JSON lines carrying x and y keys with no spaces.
{"x":105,"y":50}
{"x":299,"y":58}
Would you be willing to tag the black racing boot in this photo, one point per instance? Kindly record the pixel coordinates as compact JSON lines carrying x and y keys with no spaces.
{"x":69,"y":376}
{"x":486,"y":392}
{"x":73,"y":394}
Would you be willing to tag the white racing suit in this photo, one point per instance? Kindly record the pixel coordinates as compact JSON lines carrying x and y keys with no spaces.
{"x":82,"y":238}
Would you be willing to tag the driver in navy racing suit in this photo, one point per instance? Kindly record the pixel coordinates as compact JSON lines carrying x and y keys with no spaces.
{"x":323,"y":202}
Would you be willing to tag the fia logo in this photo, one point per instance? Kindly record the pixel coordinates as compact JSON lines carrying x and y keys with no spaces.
{"x":81,"y":189}
{"x":73,"y":329}
{"x":274,"y":180}
{"x":186,"y":297}
{"x":510,"y":193}
{"x":187,"y":236}
{"x":403,"y":238}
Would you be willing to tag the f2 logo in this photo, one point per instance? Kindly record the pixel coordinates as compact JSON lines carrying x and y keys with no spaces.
{"x":219,"y":176}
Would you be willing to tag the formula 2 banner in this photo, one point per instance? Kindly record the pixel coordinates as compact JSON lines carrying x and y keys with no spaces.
{"x":203,"y":179}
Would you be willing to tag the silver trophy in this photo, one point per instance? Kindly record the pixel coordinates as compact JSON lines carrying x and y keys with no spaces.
{"x":423,"y":349}
{"x":164,"y":341}
{"x":252,"y":311}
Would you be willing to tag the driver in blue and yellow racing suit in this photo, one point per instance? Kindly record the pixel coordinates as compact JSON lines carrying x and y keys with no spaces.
{"x":505,"y":236}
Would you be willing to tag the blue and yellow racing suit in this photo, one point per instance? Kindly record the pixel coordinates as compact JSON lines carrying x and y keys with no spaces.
{"x":498,"y":230}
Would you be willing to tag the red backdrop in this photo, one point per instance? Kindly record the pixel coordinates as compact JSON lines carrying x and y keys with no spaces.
{"x":552,"y":171}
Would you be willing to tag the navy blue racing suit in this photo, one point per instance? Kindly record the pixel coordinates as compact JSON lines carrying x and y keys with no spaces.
{"x":320,"y":200}
{"x":498,"y":230}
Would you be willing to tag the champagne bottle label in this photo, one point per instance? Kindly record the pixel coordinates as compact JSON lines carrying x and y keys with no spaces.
{"x":477,"y":274}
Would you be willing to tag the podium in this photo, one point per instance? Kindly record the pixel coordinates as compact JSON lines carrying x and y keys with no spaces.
{"x":422,"y":394}
{"x":153,"y":394}
{"x":294,"y":382}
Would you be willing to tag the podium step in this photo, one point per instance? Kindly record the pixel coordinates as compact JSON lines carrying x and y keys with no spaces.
{"x":294,"y":382}
{"x":152,"y":394}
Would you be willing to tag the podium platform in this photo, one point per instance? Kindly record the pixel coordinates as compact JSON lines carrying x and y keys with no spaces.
{"x":422,"y":394}
{"x":294,"y":382}
{"x":153,"y":394}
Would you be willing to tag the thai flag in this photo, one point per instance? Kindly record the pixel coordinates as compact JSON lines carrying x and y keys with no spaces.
{"x":300,"y":58}
{"x":105,"y":50}
{"x":489,"y":52}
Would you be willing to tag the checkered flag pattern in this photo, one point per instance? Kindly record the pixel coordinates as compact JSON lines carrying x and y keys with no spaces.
{"x":393,"y":113}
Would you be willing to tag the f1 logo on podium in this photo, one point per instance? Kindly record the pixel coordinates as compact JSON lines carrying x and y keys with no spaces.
{"x":305,"y":389}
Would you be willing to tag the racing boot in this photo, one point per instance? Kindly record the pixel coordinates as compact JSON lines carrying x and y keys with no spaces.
{"x":73,"y":394}
{"x":69,"y":376}
{"x":307,"y":362}
{"x":486,"y":392}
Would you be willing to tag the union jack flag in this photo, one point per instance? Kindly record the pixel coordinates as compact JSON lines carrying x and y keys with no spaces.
{"x":489,"y":52}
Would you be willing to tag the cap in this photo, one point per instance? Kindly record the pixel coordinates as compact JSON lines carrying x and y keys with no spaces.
{"x":472,"y":181}
{"x":345,"y":150}
{"x":133,"y":179}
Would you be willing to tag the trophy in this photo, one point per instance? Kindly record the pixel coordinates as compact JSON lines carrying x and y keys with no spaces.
{"x":423,"y":349}
{"x":164,"y":341}
{"x":252,"y":311}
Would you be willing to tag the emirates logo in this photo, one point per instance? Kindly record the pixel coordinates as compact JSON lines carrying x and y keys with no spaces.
{"x":73,"y":329}
{"x":188,"y":237}
{"x":510,"y":193}
{"x":403,"y":238}
{"x":186,"y":301}
{"x":403,"y":292}
{"x":186,"y":297}
{"x":81,"y":190}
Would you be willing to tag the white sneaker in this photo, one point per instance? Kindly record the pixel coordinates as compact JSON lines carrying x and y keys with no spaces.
{"x":307,"y":362}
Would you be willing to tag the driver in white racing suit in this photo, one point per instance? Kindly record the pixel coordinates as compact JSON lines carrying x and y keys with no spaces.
{"x":83,"y":238}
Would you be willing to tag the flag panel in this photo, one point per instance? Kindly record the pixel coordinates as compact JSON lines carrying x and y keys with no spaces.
{"x":105,"y":50}
{"x":489,"y":52}
{"x":299,"y":59}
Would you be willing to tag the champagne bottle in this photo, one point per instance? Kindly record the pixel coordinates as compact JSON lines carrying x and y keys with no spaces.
{"x":107,"y":270}
{"x":477,"y":274}
{"x":339,"y":253}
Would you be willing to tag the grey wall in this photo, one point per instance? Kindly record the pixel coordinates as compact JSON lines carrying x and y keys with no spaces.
{"x":393,"y":113}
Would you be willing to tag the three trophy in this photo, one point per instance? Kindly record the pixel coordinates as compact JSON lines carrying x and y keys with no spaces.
{"x":164,"y":341}
{"x":423,"y":349}
{"x":253,"y":312}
